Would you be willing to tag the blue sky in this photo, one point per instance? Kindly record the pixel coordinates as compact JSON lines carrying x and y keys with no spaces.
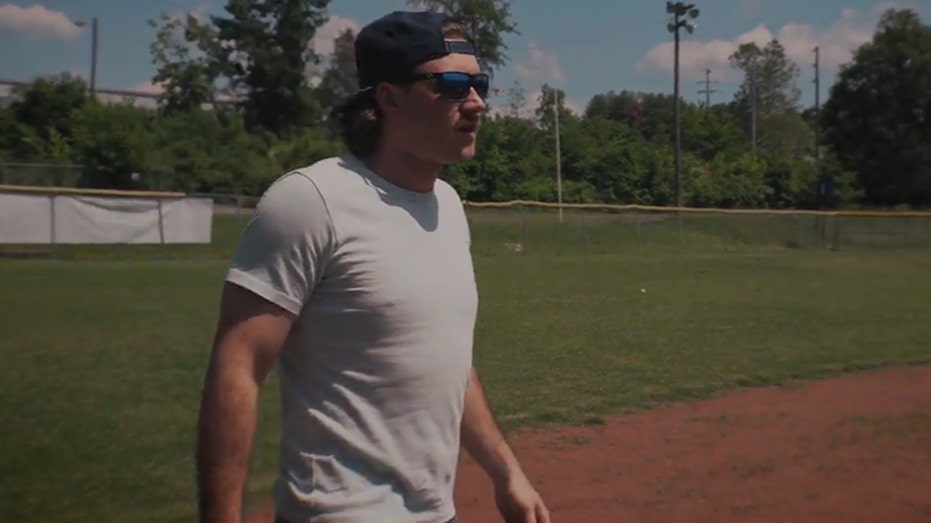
{"x":584,"y":47}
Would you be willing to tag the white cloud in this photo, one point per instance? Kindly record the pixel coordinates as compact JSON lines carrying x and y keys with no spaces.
{"x":836,"y":42}
{"x":323,"y":42}
{"x":539,"y":65}
{"x":38,"y":20}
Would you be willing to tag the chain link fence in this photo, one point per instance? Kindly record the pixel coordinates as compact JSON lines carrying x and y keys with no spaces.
{"x":535,"y":227}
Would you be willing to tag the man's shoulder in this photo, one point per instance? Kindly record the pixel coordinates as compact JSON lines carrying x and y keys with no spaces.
{"x":445,"y":190}
{"x":314,"y":181}
{"x":450,"y":200}
{"x":327,"y":171}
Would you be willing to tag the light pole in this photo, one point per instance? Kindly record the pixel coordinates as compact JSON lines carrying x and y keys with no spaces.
{"x":678,"y":10}
{"x":94,"y":32}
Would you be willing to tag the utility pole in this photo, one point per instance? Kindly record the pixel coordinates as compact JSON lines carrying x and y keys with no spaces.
{"x":94,"y":46}
{"x":752,"y":109}
{"x":817,"y":123}
{"x":824,"y":185}
{"x":558,"y":153}
{"x":678,"y":118}
{"x":94,"y":52}
{"x":707,"y":90}
{"x":679,"y":10}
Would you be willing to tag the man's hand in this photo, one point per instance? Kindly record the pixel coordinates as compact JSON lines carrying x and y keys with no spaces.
{"x":519,"y":502}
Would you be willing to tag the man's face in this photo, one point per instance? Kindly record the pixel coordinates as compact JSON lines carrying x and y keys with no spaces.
{"x":433,"y":127}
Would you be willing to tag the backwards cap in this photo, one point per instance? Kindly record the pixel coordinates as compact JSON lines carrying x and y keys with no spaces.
{"x":391,"y":47}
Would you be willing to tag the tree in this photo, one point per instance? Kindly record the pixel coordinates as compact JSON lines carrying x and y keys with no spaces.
{"x":709,"y":132}
{"x":877,"y":119}
{"x":340,"y":78}
{"x":265,"y":52}
{"x":508,"y":164}
{"x":112,"y":141}
{"x":261,"y":48}
{"x":181,"y":54}
{"x":548,"y":98}
{"x":650,"y":113}
{"x":43,"y":109}
{"x":767,"y":93}
{"x":517,"y":99}
{"x":488,"y":21}
{"x":769,"y":77}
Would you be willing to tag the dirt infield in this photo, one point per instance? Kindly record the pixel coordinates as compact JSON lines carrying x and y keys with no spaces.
{"x":851,"y":449}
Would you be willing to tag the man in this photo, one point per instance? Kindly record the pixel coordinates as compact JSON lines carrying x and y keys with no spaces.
{"x":354,"y":276}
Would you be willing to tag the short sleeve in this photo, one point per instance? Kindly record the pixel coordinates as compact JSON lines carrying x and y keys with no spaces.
{"x":284,"y":249}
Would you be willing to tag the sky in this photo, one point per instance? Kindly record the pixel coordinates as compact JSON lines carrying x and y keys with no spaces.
{"x":585,"y":47}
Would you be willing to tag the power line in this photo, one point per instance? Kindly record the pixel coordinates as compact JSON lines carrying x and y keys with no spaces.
{"x":707,"y":91}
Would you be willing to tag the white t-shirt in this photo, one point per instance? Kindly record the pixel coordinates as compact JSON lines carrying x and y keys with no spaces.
{"x":374,"y":374}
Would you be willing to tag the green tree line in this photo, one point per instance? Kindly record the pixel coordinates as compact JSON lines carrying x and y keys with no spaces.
{"x":247,"y":97}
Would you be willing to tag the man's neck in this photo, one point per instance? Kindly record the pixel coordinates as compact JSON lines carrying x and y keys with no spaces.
{"x":405,"y":170}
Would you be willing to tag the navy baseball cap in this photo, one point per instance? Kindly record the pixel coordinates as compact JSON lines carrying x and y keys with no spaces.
{"x":391,"y":47}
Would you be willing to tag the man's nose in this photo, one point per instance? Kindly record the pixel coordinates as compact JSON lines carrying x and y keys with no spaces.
{"x":473,"y":102}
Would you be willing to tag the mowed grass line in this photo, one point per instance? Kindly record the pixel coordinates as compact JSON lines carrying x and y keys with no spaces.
{"x":103,"y":359}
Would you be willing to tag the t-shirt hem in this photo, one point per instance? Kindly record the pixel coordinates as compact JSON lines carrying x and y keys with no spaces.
{"x":249,"y":282}
{"x":289,"y":515}
{"x":340,"y":518}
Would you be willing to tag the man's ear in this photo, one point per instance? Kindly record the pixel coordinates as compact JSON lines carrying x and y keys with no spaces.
{"x":386,"y":97}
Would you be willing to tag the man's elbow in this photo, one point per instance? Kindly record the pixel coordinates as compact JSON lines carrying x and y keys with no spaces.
{"x":250,"y":334}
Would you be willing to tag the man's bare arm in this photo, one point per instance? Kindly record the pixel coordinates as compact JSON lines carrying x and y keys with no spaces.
{"x":482,"y":438}
{"x":517,"y":500}
{"x":249,"y":336}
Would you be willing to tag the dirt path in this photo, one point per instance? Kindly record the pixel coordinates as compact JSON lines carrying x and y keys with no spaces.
{"x":852,"y":449}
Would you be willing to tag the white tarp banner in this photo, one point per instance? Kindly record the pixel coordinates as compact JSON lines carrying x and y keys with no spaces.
{"x":32,"y":218}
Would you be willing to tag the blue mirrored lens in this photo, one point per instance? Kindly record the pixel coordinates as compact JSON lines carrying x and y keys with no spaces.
{"x":456,"y":85}
{"x":481,"y":85}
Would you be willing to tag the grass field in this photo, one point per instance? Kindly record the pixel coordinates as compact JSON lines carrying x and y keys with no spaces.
{"x":103,"y":348}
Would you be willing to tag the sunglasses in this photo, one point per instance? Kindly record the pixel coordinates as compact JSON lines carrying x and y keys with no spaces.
{"x":455,"y":86}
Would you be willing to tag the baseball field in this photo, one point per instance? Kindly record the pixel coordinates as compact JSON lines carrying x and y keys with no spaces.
{"x":647,"y":368}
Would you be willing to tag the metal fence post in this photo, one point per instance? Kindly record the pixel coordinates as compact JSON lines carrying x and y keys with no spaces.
{"x":523,"y":230}
{"x":637,"y":226}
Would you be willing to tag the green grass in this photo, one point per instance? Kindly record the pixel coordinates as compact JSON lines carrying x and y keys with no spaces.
{"x":103,"y":348}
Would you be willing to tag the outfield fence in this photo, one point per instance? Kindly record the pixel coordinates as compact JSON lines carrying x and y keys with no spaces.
{"x":529,"y":226}
{"x":55,"y":215}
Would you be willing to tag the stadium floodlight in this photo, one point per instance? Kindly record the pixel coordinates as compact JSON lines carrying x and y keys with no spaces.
{"x":678,"y":10}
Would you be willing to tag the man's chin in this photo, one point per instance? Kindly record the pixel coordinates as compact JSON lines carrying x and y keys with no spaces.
{"x":464,"y":155}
